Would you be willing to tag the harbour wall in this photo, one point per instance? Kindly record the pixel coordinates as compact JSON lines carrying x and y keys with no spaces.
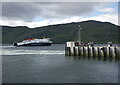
{"x":93,"y":51}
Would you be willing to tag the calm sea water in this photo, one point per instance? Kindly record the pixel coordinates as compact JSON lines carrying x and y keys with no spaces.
{"x":49,"y":65}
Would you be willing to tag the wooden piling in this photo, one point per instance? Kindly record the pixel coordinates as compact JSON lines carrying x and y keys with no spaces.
{"x":76,"y":51}
{"x":66,"y":50}
{"x":106,"y":51}
{"x":71,"y":51}
{"x":90,"y":52}
{"x":100,"y":52}
{"x":85,"y":51}
{"x":112,"y":51}
{"x":117,"y":52}
{"x":95,"y":51}
{"x":80,"y":51}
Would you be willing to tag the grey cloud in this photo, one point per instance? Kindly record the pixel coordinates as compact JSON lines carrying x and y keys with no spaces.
{"x":74,"y":8}
{"x":19,"y":10}
{"x":27,"y":11}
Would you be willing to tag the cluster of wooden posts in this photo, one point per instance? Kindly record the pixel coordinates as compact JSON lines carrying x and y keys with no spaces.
{"x":93,"y":51}
{"x":96,"y":51}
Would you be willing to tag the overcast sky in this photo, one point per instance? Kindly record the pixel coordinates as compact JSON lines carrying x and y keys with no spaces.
{"x":36,"y":14}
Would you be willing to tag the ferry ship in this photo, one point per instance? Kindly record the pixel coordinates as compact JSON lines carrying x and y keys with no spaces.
{"x":34,"y":42}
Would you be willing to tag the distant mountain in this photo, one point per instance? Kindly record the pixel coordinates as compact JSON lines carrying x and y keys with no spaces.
{"x":98,"y":32}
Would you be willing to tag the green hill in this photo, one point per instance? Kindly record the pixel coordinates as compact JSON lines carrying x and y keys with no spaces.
{"x":99,"y":32}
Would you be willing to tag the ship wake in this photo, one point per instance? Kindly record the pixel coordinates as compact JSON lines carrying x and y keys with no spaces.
{"x":32,"y":52}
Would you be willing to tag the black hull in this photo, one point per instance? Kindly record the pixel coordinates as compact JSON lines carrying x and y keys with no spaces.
{"x":34,"y":44}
